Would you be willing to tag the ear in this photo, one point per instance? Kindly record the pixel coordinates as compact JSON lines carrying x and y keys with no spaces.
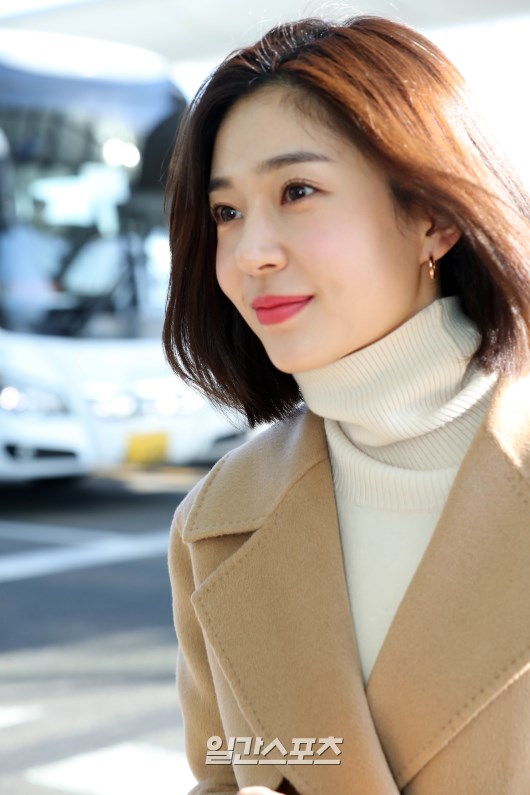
{"x":440,"y":236}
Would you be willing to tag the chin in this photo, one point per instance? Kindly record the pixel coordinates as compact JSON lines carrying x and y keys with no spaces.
{"x":290,"y":366}
{"x":297,"y":364}
{"x":309,"y":354}
{"x":286,"y":368}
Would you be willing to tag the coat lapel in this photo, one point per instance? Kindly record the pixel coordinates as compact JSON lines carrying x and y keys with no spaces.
{"x":277,"y":617}
{"x":462,"y":632}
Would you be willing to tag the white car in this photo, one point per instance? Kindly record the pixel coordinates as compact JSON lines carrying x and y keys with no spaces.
{"x":71,"y":407}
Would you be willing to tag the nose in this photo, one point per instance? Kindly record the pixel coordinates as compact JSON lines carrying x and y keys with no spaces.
{"x":260,"y":248}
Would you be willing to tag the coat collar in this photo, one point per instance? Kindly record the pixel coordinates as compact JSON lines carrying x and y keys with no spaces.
{"x":243,"y":490}
{"x":460,"y":635}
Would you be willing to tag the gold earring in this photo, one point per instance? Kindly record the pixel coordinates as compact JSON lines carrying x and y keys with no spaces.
{"x":433,"y":269}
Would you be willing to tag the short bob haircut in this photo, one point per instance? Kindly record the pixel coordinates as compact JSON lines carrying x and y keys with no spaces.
{"x":397,"y":98}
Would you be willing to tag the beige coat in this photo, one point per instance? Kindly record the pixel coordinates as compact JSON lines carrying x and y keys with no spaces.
{"x":266,"y":642}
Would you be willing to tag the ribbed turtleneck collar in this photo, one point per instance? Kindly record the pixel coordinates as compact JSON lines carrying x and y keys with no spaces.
{"x":409,"y":401}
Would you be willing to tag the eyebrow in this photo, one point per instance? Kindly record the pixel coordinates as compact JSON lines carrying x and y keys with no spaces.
{"x":273,"y":164}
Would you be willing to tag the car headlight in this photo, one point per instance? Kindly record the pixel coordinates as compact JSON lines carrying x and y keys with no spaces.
{"x":109,"y":402}
{"x":168,"y":397}
{"x":165,"y":397}
{"x":19,"y":397}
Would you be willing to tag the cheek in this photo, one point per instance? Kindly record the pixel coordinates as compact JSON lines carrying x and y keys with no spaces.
{"x":338,"y":236}
{"x":226,"y":274}
{"x":221,"y":271}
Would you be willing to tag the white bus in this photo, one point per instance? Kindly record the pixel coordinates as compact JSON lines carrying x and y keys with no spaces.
{"x":85,"y":129}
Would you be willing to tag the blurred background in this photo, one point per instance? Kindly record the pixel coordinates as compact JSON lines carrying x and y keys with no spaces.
{"x":98,"y":440}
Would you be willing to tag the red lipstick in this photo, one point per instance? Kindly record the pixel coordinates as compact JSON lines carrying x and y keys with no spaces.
{"x":272,"y":309}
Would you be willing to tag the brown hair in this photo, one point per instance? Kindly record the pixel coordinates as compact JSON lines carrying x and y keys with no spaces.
{"x":397,"y":98}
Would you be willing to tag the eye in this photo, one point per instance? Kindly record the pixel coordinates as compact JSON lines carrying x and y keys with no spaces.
{"x":296,"y":191}
{"x":223,"y":213}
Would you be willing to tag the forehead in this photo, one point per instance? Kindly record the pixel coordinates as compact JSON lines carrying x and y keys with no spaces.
{"x":264,"y":124}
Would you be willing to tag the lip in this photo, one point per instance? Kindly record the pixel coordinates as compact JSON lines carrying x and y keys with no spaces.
{"x":272,"y":309}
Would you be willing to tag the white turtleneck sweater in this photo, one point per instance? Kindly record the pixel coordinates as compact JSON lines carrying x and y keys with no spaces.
{"x":400,"y":415}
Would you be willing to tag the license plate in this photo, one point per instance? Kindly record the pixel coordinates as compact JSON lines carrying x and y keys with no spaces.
{"x":147,"y":448}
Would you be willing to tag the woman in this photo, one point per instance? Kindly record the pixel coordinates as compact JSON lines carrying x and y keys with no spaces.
{"x":351,"y":588}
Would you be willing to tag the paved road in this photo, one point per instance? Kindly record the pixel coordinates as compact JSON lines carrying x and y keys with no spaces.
{"x":87,"y":649}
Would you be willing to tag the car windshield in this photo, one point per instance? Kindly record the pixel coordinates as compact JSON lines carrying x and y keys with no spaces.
{"x":83,"y":246}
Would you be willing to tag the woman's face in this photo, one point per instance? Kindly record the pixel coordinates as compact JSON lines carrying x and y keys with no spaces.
{"x":310,"y":247}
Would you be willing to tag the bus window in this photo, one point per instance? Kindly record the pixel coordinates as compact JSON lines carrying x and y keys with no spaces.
{"x":83,"y":249}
